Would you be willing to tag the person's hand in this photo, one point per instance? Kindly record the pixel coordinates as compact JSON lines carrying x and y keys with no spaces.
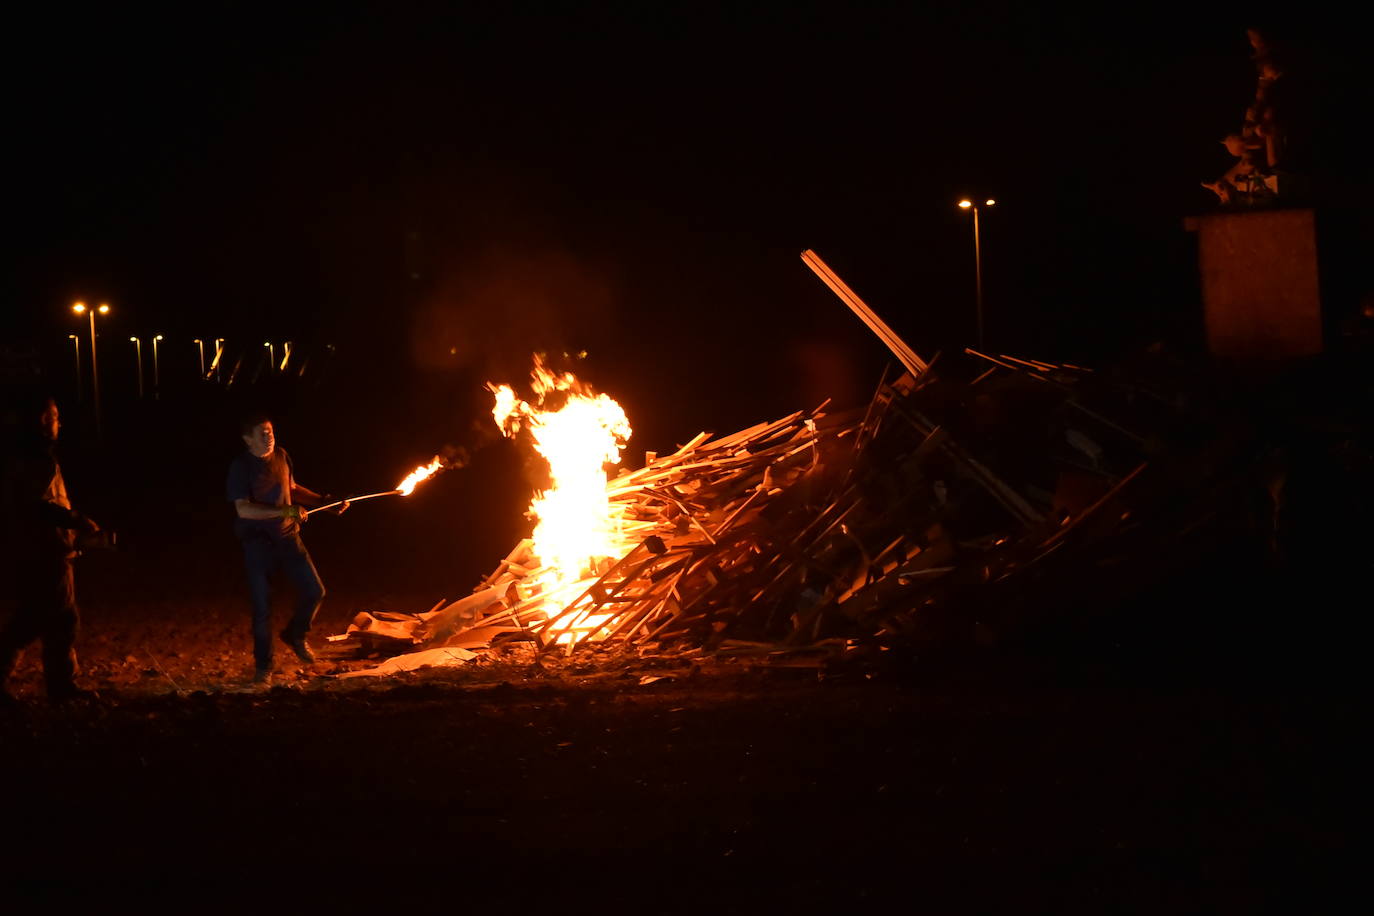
{"x":299,"y":513}
{"x":341,"y":508}
{"x":89,"y":526}
{"x":330,"y":498}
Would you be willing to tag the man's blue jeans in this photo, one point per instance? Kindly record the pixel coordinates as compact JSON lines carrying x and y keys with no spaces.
{"x":264,"y":556}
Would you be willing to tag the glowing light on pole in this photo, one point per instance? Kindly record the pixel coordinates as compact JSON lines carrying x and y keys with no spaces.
{"x":219,"y":355}
{"x":977,"y":261}
{"x":200,"y":347}
{"x":76,"y":346}
{"x":104,"y":309}
{"x":271,"y":355}
{"x":157,"y":385}
{"x":138,"y":360}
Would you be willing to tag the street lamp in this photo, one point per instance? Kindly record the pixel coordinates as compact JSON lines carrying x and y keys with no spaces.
{"x":967,"y":204}
{"x":138,"y":360}
{"x":271,"y":355}
{"x":157,"y":385}
{"x":104,"y":309}
{"x":286,"y":356}
{"x":200,"y":346}
{"x":76,"y":346}
{"x":215,"y":363}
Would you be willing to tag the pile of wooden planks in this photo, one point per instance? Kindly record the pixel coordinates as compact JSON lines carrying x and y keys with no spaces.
{"x":807,"y":536}
{"x":964,"y":503}
{"x":702,"y":521}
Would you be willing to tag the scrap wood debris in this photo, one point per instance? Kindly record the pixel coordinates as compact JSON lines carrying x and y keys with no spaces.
{"x":969,"y":498}
{"x":804,"y":539}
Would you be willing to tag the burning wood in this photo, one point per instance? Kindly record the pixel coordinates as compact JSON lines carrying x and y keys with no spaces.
{"x":930,"y":516}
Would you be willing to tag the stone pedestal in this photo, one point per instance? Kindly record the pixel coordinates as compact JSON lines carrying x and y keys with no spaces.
{"x":1261,"y":294}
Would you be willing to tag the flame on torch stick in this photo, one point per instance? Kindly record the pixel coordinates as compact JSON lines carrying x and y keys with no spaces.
{"x":404,"y":488}
{"x":424,"y":472}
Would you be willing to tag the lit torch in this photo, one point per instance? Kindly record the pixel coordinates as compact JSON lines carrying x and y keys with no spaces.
{"x":423,"y":472}
{"x":404,"y":488}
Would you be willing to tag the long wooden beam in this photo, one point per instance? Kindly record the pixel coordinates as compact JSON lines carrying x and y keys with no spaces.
{"x":913,"y":363}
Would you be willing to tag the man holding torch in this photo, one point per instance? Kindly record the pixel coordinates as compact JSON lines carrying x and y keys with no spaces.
{"x":267,"y":503}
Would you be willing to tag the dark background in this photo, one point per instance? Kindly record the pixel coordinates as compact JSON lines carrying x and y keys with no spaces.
{"x":436,"y":191}
{"x":421,"y":196}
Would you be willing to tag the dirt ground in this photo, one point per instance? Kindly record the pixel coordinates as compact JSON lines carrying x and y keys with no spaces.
{"x":936,"y":784}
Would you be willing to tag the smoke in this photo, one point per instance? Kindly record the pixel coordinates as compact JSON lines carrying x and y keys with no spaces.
{"x":490,"y":311}
{"x":452,"y":457}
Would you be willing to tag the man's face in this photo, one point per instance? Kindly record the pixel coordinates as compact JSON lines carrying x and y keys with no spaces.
{"x":49,"y":421}
{"x":261,"y":441}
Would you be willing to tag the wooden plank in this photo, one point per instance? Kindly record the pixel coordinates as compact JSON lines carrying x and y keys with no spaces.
{"x":695,"y":442}
{"x":453,"y":617}
{"x":1092,"y":510}
{"x":913,"y":363}
{"x":734,"y":441}
{"x":992,"y":359}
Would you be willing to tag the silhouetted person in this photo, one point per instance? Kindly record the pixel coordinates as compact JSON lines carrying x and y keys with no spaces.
{"x":264,"y":491}
{"x":43,"y":528}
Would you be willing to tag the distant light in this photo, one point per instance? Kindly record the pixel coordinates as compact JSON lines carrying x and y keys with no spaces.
{"x":79,"y":308}
{"x":104,"y":309}
{"x":71,"y":337}
{"x":133,"y":340}
{"x":989,"y":202}
{"x":158,"y":337}
{"x":267,"y":343}
{"x":965,"y":204}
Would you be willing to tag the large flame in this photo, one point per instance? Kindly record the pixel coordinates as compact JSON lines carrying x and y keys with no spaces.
{"x":578,"y":433}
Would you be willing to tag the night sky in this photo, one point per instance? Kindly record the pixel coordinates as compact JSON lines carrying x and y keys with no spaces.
{"x":440,"y":189}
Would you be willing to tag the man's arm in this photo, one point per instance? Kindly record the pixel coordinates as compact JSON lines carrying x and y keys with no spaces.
{"x":254,"y":511}
{"x":31,"y":483}
{"x":57,"y":516}
{"x":305,"y":494}
{"x":317,"y":499}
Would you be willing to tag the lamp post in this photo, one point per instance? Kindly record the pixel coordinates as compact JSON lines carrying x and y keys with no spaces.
{"x":967,"y":204}
{"x":76,"y":346}
{"x":138,"y":360}
{"x":219,"y":355}
{"x":104,"y":309}
{"x":271,"y":356}
{"x":200,"y":347}
{"x":157,"y":384}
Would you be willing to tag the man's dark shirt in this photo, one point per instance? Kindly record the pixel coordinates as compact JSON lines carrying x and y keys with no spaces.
{"x":262,"y":480}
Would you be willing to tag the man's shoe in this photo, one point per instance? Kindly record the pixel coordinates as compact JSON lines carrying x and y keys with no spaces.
{"x":300,"y":648}
{"x":262,"y":677}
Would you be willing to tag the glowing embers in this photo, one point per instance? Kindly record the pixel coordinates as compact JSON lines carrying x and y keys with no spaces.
{"x":578,"y":433}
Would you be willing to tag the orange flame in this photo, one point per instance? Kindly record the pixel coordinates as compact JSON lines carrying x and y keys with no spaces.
{"x":423,"y":472}
{"x":578,"y":433}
